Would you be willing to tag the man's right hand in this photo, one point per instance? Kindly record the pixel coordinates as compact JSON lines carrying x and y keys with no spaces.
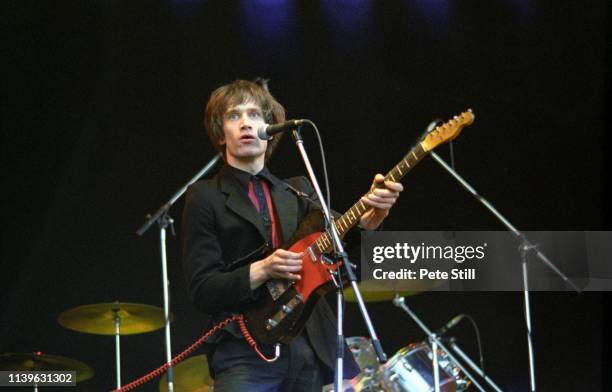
{"x":280,"y":264}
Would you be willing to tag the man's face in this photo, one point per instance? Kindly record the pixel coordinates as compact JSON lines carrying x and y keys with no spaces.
{"x":240,"y":125}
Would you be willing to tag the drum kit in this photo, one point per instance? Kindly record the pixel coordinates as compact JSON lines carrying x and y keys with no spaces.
{"x":411,"y":368}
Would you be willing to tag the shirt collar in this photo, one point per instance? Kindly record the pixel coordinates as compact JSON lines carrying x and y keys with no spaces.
{"x":244,"y":177}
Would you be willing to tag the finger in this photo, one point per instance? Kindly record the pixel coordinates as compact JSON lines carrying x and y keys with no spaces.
{"x":288,"y":268}
{"x":383,"y":192}
{"x":379,"y":178}
{"x":297,"y":262}
{"x":379,"y":181}
{"x":288,"y":255}
{"x":287,"y":275}
{"x":377,"y":204}
{"x":380,"y":199}
{"x":394,"y":186}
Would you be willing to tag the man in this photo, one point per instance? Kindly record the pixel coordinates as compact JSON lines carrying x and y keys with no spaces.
{"x":233,"y":227}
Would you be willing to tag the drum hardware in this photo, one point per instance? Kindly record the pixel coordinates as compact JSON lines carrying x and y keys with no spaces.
{"x":436,"y":369}
{"x":45,"y":363}
{"x":114,"y":318}
{"x":363,"y":352}
{"x":400,"y":302}
{"x":411,"y":369}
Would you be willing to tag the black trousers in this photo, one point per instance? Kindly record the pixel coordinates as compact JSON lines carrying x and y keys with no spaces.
{"x":237,"y":367}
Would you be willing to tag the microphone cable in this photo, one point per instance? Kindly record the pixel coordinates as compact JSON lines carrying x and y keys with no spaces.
{"x":478,"y":340}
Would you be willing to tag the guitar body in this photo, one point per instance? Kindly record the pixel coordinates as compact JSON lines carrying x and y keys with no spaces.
{"x":281,"y":312}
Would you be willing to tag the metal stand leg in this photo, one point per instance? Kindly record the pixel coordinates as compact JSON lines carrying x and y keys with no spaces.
{"x":524,"y":248}
{"x":162,"y":241}
{"x":436,"y":369}
{"x":471,"y":363}
{"x":339,"y":343}
{"x":117,"y":347}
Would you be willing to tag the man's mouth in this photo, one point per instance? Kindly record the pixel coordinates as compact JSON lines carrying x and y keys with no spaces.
{"x":247,"y":137}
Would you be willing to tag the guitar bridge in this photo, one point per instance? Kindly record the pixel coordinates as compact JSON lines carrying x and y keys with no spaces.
{"x":283,"y":312}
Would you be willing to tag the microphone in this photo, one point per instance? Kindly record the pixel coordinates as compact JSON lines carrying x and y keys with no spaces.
{"x":454,"y":321}
{"x":266,"y":131}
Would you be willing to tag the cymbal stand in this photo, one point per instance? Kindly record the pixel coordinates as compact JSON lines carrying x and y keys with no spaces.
{"x":117,"y":319}
{"x":164,"y":220}
{"x":524,"y":248}
{"x":400,"y":302}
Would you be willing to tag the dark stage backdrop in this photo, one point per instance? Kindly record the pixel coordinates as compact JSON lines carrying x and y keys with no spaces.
{"x":101,"y":123}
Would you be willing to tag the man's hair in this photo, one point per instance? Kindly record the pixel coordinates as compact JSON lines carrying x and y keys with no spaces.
{"x":236,"y":93}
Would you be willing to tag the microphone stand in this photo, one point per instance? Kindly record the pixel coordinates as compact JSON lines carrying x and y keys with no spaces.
{"x":340,"y":253}
{"x":475,"y":367}
{"x":524,"y":248}
{"x":164,"y":220}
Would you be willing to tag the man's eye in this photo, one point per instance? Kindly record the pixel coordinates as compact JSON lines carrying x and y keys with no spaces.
{"x":255,"y":115}
{"x":233,"y":116}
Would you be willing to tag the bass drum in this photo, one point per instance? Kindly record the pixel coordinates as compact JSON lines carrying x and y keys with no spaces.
{"x":411,"y":370}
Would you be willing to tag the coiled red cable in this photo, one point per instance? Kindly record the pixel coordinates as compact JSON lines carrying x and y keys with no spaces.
{"x":249,"y":339}
{"x":162,"y":369}
{"x":182,"y":356}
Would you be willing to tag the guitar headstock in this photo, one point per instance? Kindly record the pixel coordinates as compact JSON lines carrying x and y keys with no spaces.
{"x":447,"y":131}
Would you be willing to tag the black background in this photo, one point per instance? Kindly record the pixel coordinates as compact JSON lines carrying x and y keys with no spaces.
{"x":101,"y":123}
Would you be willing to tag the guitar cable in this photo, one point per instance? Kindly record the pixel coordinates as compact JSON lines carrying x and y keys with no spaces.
{"x":189,"y":350}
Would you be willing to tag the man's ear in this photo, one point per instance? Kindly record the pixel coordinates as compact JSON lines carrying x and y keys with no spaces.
{"x":222,"y":141}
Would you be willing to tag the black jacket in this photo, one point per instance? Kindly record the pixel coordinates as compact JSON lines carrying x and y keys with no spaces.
{"x":223,"y":233}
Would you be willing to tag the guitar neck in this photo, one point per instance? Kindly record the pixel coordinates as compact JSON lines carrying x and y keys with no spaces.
{"x":354,"y":214}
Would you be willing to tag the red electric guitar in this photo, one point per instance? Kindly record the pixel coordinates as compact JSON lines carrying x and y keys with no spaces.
{"x":286,"y":305}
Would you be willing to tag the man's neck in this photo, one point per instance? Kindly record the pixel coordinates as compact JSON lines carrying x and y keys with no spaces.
{"x":251,"y":166}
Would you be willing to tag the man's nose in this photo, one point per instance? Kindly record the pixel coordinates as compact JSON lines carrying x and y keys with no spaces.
{"x":246,"y":121}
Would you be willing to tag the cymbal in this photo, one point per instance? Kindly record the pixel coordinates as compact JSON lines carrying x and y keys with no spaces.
{"x":191,"y":375}
{"x":99,"y":319}
{"x":384,"y":290}
{"x":45,"y":362}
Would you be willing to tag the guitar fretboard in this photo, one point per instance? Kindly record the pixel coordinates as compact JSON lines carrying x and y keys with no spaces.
{"x":352,"y":216}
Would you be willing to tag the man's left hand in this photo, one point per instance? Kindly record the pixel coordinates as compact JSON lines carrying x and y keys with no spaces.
{"x":381,"y":198}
